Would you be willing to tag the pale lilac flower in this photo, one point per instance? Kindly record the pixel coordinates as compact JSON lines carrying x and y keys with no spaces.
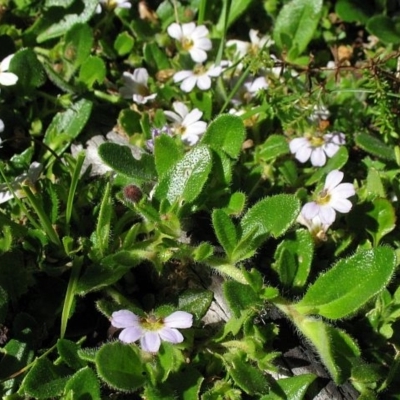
{"x":317,"y":147}
{"x":200,"y":77}
{"x":316,"y":227}
{"x":333,"y":197}
{"x":151,"y":329}
{"x":192,"y":39}
{"x":135,"y":86}
{"x":164,"y":130}
{"x":112,"y":4}
{"x":254,"y":46}
{"x":7,"y":78}
{"x":186,"y":124}
{"x":28,"y":178}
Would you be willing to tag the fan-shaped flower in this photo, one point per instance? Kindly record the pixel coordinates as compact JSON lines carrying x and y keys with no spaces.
{"x":135,"y":86}
{"x":192,"y":39}
{"x":185,"y":123}
{"x":317,"y":147}
{"x":333,"y":197}
{"x":254,"y":46}
{"x":151,"y":330}
{"x":200,"y":77}
{"x":7,"y":78}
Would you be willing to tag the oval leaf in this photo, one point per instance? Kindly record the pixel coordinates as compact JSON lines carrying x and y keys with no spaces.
{"x":342,"y":290}
{"x":120,"y":366}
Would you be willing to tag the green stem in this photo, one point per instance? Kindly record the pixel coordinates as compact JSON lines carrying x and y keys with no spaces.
{"x":72,"y":189}
{"x":227,"y":10}
{"x":46,"y":224}
{"x":202,"y":12}
{"x":393,"y":372}
{"x":69,"y":296}
{"x":113,"y":99}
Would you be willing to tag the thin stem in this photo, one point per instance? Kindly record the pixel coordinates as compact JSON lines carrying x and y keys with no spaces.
{"x":69,"y":296}
{"x":202,"y":12}
{"x":46,"y":224}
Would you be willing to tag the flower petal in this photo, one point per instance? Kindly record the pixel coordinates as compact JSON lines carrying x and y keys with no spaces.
{"x":150,"y":342}
{"x":327,"y":215}
{"x":198,"y":55}
{"x":172,"y":116}
{"x":140,"y":75}
{"x":8,"y":78}
{"x":303,"y":154}
{"x":188,"y":84}
{"x":297,"y":143}
{"x":179,"y":319}
{"x":124,"y":319}
{"x":181,"y":109}
{"x":171,"y":335}
{"x":344,"y":190}
{"x":196,"y":128}
{"x":130,"y":335}
{"x":204,"y":82}
{"x":181,"y":75}
{"x":333,"y":179}
{"x":318,"y":157}
{"x":192,"y":117}
{"x":341,"y":205}
{"x":5,"y":64}
{"x":310,"y":210}
{"x":175,"y":31}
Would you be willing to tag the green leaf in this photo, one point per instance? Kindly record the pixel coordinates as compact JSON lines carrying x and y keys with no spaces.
{"x":130,"y":121}
{"x":296,"y":24}
{"x":101,"y":237}
{"x":337,"y":349}
{"x":187,"y":178}
{"x":187,"y":382}
{"x":296,"y":251}
{"x":375,"y":146}
{"x":67,"y":21}
{"x":123,"y":44}
{"x":225,"y":231}
{"x":92,"y":70}
{"x":83,"y":385}
{"x":107,"y":272}
{"x":236,"y":9}
{"x":336,"y":162}
{"x":247,"y":377}
{"x":226,"y":133}
{"x":239,"y":297}
{"x":354,"y":10}
{"x":384,"y":219}
{"x":236,"y":204}
{"x":44,"y":380}
{"x":58,"y":3}
{"x":196,"y":302}
{"x":68,"y":352}
{"x":166,"y":154}
{"x":349,"y":284}
{"x":66,"y":126}
{"x":29,"y":70}
{"x":293,"y":388}
{"x":374,"y":184}
{"x":384,"y":28}
{"x":274,"y":146}
{"x":78,"y":44}
{"x":271,"y":216}
{"x":121,"y":159}
{"x":120,"y":366}
{"x":155,"y":57}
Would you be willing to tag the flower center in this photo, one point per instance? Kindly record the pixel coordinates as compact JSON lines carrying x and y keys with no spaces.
{"x":143,"y":90}
{"x":180,"y":129}
{"x":187,"y":44}
{"x":323,"y":197}
{"x":316,"y":141}
{"x":199,"y":70}
{"x":151,"y":323}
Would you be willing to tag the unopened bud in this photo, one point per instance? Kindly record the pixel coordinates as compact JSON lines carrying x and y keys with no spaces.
{"x":132,"y":193}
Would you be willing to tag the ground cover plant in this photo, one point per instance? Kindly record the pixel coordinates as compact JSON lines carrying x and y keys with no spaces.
{"x":191,"y":190}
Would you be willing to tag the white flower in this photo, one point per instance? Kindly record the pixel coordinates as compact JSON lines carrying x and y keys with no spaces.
{"x":249,"y":90}
{"x":112,"y":4}
{"x":28,"y":178}
{"x":257,"y":43}
{"x":192,"y":39}
{"x":316,"y":147}
{"x":187,"y":124}
{"x":151,"y":329}
{"x":332,"y":198}
{"x":135,"y":86}
{"x":7,"y":78}
{"x":320,"y":113}
{"x":1,"y":126}
{"x":200,"y":77}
